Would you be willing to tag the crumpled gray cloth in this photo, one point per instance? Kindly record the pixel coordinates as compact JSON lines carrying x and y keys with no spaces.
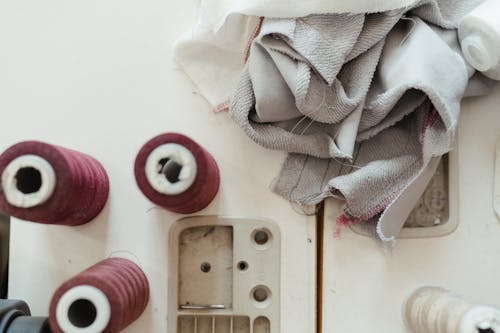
{"x":362,"y":102}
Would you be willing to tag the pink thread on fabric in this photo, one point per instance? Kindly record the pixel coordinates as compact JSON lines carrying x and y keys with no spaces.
{"x":81,"y":188}
{"x":254,"y":35}
{"x":341,"y":221}
{"x":223,"y":107}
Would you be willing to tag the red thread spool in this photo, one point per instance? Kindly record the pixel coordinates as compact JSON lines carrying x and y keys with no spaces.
{"x":176,"y":173}
{"x":106,"y":297}
{"x":49,"y":184}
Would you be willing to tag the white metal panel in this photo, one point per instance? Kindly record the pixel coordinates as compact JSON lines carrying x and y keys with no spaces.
{"x":365,"y":286}
{"x":98,"y":76}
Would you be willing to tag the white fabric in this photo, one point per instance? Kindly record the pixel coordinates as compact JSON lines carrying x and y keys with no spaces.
{"x":395,"y":215}
{"x":212,"y":53}
{"x":348,"y":131}
{"x":479,"y":33}
{"x":407,"y":76}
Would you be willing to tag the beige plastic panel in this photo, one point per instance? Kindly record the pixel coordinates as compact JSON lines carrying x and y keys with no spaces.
{"x":224,"y":268}
{"x":214,"y":324}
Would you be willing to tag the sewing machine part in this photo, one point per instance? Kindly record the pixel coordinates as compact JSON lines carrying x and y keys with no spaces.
{"x":203,"y":307}
{"x":432,"y":208}
{"x":15,"y":317}
{"x":436,"y":211}
{"x":225,"y":275}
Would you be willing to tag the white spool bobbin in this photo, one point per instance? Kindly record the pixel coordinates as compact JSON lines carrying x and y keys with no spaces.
{"x":477,"y":53}
{"x":83,"y":309}
{"x":481,"y":319}
{"x":158,"y":177}
{"x":28,"y":181}
{"x":437,"y":310}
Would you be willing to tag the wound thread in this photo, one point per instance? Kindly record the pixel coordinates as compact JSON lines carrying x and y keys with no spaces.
{"x":106,"y":297}
{"x":437,"y":310}
{"x":175,"y":172}
{"x":49,"y":184}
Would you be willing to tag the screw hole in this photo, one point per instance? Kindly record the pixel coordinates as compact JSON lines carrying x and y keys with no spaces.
{"x":242,"y":265}
{"x":261,"y":237}
{"x":260,"y":294}
{"x":205,"y":267}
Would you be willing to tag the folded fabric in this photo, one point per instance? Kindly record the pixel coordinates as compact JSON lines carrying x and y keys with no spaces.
{"x":364,"y":103}
{"x":213,"y":51}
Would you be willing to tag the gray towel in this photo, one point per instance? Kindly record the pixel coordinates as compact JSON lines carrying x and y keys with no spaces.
{"x":363,"y":103}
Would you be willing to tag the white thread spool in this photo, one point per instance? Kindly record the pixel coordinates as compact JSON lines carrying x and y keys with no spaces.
{"x":437,"y":310}
{"x":479,"y":34}
{"x":175,"y":181}
{"x":83,"y":309}
{"x":28,"y":181}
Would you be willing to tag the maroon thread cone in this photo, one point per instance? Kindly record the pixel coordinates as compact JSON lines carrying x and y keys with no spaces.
{"x":194,"y":197}
{"x":81,"y":184}
{"x":121,"y":281}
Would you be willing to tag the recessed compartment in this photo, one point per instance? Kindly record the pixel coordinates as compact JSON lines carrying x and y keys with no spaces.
{"x":436,"y":212}
{"x":206,"y":267}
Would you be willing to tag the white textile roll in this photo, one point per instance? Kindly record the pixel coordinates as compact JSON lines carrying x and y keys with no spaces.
{"x":479,"y":34}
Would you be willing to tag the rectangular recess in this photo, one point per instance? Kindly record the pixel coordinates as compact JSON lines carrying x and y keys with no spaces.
{"x":442,"y":192}
{"x":206,"y":266}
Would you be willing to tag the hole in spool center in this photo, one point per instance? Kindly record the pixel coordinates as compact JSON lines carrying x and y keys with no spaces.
{"x":28,"y":180}
{"x":82,"y":313}
{"x":260,"y":294}
{"x":486,"y":330}
{"x":261,"y":237}
{"x":170,"y":168}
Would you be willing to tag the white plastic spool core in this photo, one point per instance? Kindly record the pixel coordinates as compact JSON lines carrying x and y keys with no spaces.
{"x":481,"y":319}
{"x":170,"y":169}
{"x":477,"y":54}
{"x":83,"y":309}
{"x":28,"y":181}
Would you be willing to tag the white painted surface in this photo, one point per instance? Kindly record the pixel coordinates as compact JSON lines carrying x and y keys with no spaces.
{"x":97,"y":76}
{"x":365,"y":287}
